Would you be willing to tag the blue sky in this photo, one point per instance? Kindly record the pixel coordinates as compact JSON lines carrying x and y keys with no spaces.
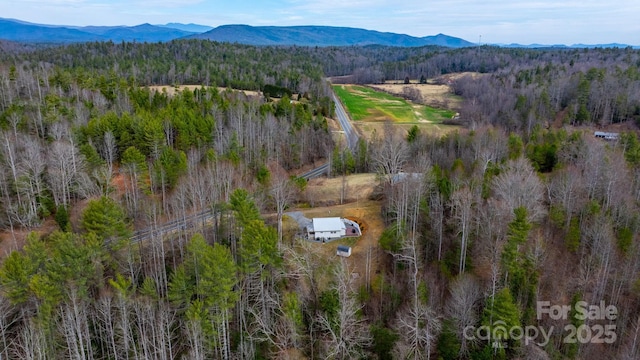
{"x":489,"y":21}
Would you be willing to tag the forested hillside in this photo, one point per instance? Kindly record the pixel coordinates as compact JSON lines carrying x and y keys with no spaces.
{"x":521,"y":206}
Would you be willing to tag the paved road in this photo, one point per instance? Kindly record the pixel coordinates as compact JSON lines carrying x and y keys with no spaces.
{"x":189,"y":222}
{"x":350,"y":133}
{"x":319,"y":171}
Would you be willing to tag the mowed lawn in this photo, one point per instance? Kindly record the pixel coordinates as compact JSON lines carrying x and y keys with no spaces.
{"x":365,"y":104}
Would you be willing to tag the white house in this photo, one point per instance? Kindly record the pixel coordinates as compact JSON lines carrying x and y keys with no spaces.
{"x":326,"y":229}
{"x":606,"y":135}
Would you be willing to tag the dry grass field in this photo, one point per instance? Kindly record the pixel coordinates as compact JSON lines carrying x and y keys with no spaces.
{"x":433,"y":95}
{"x":370,"y":129}
{"x":327,"y":191}
{"x":172,"y":90}
{"x":436,"y":92}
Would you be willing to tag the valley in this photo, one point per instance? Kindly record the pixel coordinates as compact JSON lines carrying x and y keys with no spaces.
{"x":144,"y":215}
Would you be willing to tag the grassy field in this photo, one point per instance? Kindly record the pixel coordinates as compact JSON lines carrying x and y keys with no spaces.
{"x":366,"y":104}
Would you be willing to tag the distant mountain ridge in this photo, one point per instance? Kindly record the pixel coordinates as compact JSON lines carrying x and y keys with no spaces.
{"x":21,"y":31}
{"x":561,"y":46}
{"x":30,"y":33}
{"x":195,"y":28}
{"x":322,"y":36}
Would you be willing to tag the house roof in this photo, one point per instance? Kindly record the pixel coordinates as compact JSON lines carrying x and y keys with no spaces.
{"x":328,"y":224}
{"x":606,"y":135}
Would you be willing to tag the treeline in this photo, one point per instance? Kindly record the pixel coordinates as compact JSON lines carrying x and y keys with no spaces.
{"x":520,"y":88}
{"x":595,"y":87}
{"x":184,"y":62}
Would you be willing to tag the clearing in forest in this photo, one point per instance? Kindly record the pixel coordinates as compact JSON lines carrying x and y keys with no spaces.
{"x":173,"y":89}
{"x":371,"y":109}
{"x":354,"y":191}
{"x":438,"y":96}
{"x":366,"y":104}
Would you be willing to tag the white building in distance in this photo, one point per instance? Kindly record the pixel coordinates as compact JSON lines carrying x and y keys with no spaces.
{"x":606,"y":135}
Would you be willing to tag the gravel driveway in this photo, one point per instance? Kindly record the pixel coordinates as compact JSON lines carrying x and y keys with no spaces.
{"x":303,"y":222}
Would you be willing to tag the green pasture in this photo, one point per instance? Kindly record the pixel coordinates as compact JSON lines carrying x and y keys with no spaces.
{"x":365,"y":104}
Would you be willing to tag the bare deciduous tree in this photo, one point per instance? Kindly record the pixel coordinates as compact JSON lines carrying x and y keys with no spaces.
{"x":519,"y":186}
{"x":62,"y":170}
{"x":32,"y":343}
{"x":566,"y":189}
{"x":347,"y":335}
{"x":390,"y":153}
{"x":462,"y":203}
{"x":436,"y":216}
{"x":74,"y":324}
{"x":461,"y":308}
{"x":282,"y":192}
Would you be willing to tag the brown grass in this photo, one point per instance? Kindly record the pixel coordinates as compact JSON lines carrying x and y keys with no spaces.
{"x":436,"y":92}
{"x":432,"y":94}
{"x":369,"y":128}
{"x":326,"y":191}
{"x":172,"y":90}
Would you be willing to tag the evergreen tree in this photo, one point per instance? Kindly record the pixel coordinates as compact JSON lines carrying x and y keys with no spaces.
{"x":500,"y":315}
{"x":105,"y":219}
{"x":244,"y":208}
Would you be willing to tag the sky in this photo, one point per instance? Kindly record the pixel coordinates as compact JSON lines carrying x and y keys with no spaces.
{"x":487,"y":22}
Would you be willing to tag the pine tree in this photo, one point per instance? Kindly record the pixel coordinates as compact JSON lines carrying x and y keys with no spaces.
{"x":500,"y":315}
{"x":106,"y":219}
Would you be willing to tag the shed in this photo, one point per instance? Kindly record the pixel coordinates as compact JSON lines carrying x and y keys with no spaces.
{"x":325,"y":229}
{"x":344,"y":251}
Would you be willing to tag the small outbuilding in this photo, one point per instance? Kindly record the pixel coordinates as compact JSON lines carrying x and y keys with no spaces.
{"x":344,"y":251}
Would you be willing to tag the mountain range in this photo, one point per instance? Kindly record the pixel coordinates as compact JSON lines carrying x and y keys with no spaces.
{"x":322,"y":36}
{"x":25,"y":32}
{"x":21,"y":31}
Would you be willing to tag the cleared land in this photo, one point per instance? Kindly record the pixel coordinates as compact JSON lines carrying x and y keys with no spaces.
{"x":434,"y":95}
{"x":366,"y":104}
{"x":172,"y":90}
{"x":356,"y":206}
{"x":371,"y":108}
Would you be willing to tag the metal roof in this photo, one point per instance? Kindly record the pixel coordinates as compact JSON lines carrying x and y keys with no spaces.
{"x":328,"y":224}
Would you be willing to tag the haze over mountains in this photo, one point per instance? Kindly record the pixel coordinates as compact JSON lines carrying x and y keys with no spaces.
{"x":25,"y":32}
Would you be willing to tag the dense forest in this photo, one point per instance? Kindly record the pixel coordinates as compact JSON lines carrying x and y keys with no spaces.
{"x":521,"y":205}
